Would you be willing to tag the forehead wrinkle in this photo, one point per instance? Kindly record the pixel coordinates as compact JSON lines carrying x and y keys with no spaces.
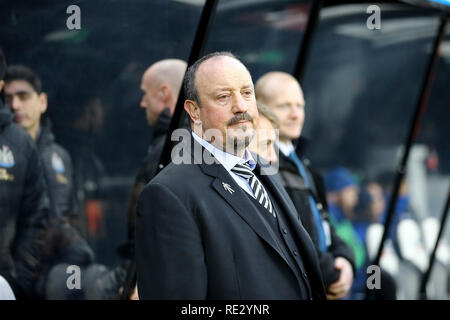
{"x":228,"y":68}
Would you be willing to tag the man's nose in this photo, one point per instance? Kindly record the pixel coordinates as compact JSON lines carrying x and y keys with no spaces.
{"x":271,"y":156}
{"x":143,"y":104}
{"x":295,"y":112}
{"x":14,"y":103}
{"x":239,"y":104}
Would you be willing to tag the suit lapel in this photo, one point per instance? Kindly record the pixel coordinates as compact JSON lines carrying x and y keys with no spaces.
{"x":237,"y":199}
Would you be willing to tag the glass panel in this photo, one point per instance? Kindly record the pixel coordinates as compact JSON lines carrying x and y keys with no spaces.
{"x":265,"y":35}
{"x":429,"y":175}
{"x":361,"y":88}
{"x":92,"y":78}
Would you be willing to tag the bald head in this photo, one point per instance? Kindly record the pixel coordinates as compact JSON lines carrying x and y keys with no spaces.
{"x":160,"y":85}
{"x":266,"y":87}
{"x":282,"y":93}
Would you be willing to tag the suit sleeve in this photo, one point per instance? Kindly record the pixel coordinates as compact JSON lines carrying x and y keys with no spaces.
{"x":169,"y":251}
{"x":340,"y":249}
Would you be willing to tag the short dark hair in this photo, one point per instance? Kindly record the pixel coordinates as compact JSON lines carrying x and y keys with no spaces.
{"x":21,"y":72}
{"x":189,"y":79}
{"x":2,"y":64}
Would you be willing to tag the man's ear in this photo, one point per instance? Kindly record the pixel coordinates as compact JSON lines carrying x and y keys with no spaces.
{"x":193,"y":110}
{"x":165,"y":93}
{"x":2,"y":84}
{"x":44,"y":101}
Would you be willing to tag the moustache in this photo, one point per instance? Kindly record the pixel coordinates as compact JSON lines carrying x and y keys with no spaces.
{"x":240,"y":117}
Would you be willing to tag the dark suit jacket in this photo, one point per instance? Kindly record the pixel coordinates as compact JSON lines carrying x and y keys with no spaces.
{"x":295,"y":187}
{"x":196,"y":240}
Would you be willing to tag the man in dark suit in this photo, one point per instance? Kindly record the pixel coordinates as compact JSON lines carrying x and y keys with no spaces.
{"x":212,"y":225}
{"x":282,"y":94}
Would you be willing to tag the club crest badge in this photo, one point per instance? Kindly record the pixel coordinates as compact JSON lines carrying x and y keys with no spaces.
{"x":57,"y":163}
{"x":6,"y":157}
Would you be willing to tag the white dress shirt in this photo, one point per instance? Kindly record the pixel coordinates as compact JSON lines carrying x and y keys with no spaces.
{"x":286,"y":148}
{"x":228,"y":161}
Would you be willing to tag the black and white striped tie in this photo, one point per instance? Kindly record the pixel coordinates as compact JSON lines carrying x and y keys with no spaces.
{"x":243,"y":170}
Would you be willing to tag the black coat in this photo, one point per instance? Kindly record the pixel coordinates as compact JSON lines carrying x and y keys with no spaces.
{"x":24,"y":205}
{"x":195,"y":240}
{"x":58,"y":170}
{"x":295,"y":187}
{"x":32,"y":237}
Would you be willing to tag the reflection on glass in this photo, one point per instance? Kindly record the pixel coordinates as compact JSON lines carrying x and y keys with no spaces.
{"x":92,"y":77}
{"x":361,"y":89}
{"x":266,"y":35}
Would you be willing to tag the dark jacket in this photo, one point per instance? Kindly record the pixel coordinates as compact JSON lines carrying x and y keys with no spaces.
{"x":295,"y":187}
{"x":58,"y":170}
{"x":149,"y":166}
{"x":24,"y":206}
{"x":196,"y":240}
{"x":32,"y":237}
{"x":148,"y":169}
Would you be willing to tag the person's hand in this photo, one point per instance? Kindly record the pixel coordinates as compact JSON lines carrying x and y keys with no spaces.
{"x":134,"y":295}
{"x":340,"y":288}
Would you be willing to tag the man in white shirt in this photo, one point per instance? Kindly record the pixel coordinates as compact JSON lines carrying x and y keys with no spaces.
{"x":283,"y":95}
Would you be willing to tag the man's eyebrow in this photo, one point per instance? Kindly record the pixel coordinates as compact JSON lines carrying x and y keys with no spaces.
{"x":223,"y":89}
{"x":18,"y":92}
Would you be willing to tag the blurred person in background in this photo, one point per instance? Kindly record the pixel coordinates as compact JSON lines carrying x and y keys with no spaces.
{"x":343,"y":193}
{"x":265,"y":138}
{"x":370,"y":207}
{"x":37,"y":241}
{"x":33,"y":236}
{"x":282,"y":94}
{"x":160,"y":86}
{"x":28,"y":103}
{"x":24,"y":206}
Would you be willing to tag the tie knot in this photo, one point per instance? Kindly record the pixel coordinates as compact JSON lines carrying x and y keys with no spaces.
{"x":243,"y":170}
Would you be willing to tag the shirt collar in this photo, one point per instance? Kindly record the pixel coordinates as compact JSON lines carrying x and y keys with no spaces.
{"x":228,"y":160}
{"x":286,"y":148}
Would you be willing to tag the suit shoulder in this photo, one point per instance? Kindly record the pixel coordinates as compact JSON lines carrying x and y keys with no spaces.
{"x":175,"y":175}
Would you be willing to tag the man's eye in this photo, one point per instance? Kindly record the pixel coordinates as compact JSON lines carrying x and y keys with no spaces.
{"x":23,"y":96}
